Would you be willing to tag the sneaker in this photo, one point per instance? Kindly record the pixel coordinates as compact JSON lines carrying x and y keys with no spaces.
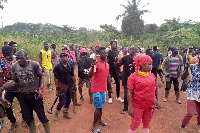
{"x":123,"y":111}
{"x":178,"y":101}
{"x":110,"y":100}
{"x":119,"y":99}
{"x":165,"y":99}
{"x":182,"y":130}
{"x":13,"y":128}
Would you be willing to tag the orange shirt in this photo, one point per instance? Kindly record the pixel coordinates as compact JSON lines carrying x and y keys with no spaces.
{"x":194,"y":60}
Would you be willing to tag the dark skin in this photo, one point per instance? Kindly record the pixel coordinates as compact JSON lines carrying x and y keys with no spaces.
{"x":23,"y":62}
{"x":64,"y":61}
{"x":98,"y":111}
{"x":46,"y":48}
{"x":144,"y":68}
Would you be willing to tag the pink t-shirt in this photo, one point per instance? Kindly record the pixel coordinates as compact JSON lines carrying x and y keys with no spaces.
{"x":73,"y":56}
{"x":143,"y":90}
{"x":99,"y":78}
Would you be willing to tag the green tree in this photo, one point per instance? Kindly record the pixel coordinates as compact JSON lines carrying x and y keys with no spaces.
{"x":150,"y":28}
{"x":164,"y":28}
{"x":132,"y":23}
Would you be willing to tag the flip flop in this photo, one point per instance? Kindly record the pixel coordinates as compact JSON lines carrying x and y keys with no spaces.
{"x":104,"y":124}
{"x":97,"y":130}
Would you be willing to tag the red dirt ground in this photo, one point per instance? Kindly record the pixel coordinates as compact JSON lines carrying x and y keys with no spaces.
{"x":166,"y":120}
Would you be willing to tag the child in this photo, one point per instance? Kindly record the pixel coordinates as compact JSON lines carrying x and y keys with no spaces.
{"x":142,"y":86}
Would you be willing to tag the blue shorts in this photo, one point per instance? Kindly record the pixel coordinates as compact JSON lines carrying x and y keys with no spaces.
{"x":99,"y":98}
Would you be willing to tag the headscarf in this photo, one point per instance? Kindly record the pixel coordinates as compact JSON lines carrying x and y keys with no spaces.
{"x":141,"y":59}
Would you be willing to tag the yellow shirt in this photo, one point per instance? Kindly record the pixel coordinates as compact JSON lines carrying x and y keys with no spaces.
{"x":46,"y":59}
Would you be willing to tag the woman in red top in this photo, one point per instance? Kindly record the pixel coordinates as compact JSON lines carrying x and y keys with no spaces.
{"x":141,"y":94}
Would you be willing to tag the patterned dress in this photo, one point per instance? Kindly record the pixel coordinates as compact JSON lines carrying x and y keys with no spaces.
{"x":194,"y":86}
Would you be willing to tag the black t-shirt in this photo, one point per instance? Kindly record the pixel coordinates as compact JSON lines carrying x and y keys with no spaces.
{"x":64,"y":74}
{"x":111,"y":60}
{"x":129,"y":68}
{"x":84,"y":63}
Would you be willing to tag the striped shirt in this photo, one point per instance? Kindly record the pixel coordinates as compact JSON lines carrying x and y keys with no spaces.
{"x":174,"y":63}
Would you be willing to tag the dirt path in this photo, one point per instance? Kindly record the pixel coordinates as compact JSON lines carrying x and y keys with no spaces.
{"x":166,"y":120}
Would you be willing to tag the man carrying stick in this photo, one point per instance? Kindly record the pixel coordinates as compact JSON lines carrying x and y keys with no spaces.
{"x":100,"y":79}
{"x":64,"y":74}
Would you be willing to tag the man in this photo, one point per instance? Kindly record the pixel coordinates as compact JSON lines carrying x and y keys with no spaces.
{"x":128,"y":69}
{"x":14,"y":47}
{"x":64,"y":74}
{"x":96,"y":47}
{"x":5,"y":76}
{"x":114,"y":70}
{"x":156,"y":60}
{"x":149,"y":52}
{"x":125,"y":52}
{"x":99,"y":80}
{"x":172,"y":68}
{"x":84,"y":64}
{"x":54,"y":54}
{"x":46,"y":63}
{"x":28,"y":76}
{"x":184,"y":83}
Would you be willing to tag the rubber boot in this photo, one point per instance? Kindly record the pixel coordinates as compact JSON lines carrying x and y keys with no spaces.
{"x":90,"y":95}
{"x":65,"y":113}
{"x":177,"y":97}
{"x":56,"y":115}
{"x":166,"y":95}
{"x":32,"y":127}
{"x":46,"y":127}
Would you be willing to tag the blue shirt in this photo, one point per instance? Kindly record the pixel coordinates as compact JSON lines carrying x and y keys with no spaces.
{"x":156,"y":59}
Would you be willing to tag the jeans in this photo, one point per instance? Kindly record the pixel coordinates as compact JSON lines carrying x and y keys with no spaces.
{"x":9,"y":111}
{"x":192,"y":107}
{"x":65,"y":99}
{"x":29,"y":103}
{"x":175,"y":83}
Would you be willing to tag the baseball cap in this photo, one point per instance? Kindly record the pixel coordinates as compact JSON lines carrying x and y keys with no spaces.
{"x":97,"y":45}
{"x":83,"y":50}
{"x":63,"y":54}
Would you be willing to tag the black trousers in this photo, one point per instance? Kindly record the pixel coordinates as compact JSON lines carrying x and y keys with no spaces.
{"x":154,"y":71}
{"x":175,"y":82}
{"x":115,"y":74}
{"x":125,"y":98}
{"x":29,"y":103}
{"x":9,"y":111}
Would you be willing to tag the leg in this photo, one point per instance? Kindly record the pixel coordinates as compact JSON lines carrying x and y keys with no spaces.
{"x":80,"y":85}
{"x":97,"y":115}
{"x":47,"y":75}
{"x":125,"y":101}
{"x":67,"y":103}
{"x":146,"y":119}
{"x":88,"y":85}
{"x":136,"y":120}
{"x":155,"y":71}
{"x":62,"y":99}
{"x":160,"y":74}
{"x":176,"y":89}
{"x":168,"y":87}
{"x":9,"y":97}
{"x":191,"y":109}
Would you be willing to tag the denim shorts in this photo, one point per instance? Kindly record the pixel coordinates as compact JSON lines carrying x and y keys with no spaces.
{"x":99,"y":98}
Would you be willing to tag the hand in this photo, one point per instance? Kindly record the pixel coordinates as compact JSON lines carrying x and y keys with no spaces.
{"x":57,"y":93}
{"x":9,"y":84}
{"x":131,"y":111}
{"x":39,"y":94}
{"x":6,"y":103}
{"x":157,"y":105}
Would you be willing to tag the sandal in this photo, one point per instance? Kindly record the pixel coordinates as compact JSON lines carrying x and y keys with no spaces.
{"x":104,"y":124}
{"x":97,"y":130}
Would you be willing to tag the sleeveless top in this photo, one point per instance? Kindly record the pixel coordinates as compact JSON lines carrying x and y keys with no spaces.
{"x":46,"y":59}
{"x":194,"y":85}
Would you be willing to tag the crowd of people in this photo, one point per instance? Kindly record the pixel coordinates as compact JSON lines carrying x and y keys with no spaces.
{"x":99,"y":67}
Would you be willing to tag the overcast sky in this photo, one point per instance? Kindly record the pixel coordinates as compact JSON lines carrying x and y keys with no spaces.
{"x":92,"y":13}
